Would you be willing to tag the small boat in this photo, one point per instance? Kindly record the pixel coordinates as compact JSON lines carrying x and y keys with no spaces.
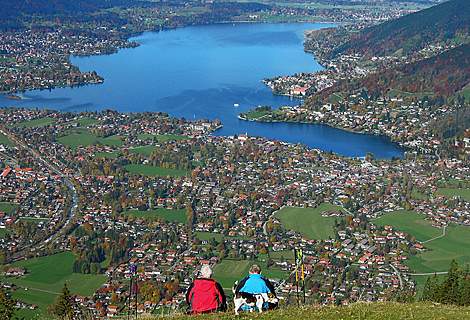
{"x":235,"y":104}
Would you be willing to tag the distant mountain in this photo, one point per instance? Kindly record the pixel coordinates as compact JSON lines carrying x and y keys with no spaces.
{"x":448,"y":20}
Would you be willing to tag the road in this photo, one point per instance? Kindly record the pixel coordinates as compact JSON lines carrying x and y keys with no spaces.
{"x":398,"y":274}
{"x":443,"y":234}
{"x":68,"y":182}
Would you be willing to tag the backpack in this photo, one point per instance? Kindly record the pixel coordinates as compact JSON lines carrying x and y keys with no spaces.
{"x":204,"y":297}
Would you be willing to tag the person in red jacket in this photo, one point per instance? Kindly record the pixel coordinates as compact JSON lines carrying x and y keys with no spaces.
{"x":205,"y":295}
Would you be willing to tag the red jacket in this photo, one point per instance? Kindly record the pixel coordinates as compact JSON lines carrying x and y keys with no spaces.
{"x":205,"y":295}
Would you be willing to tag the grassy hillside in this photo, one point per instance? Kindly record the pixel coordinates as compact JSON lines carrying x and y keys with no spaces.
{"x":379,"y":311}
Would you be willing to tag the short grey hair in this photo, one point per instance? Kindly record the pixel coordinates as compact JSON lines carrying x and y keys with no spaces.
{"x":206,"y":271}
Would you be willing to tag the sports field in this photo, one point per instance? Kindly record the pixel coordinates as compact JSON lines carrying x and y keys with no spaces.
{"x":309,"y":222}
{"x":169,"y":215}
{"x":155,"y":171}
{"x":409,"y":222}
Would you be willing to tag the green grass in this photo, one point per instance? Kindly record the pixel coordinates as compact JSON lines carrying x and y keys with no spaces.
{"x":355,"y":311}
{"x":7,"y":207}
{"x":50,"y":274}
{"x":409,"y":222}
{"x":4,"y":232}
{"x":87,"y":122}
{"x":162,"y":137}
{"x":209,"y":235}
{"x":228,"y":271}
{"x":105,"y":155}
{"x":277,"y":255}
{"x":86,"y":138}
{"x":34,"y":123}
{"x":4,"y":140}
{"x":169,"y":215}
{"x":450,"y":192}
{"x":255,"y":115}
{"x":454,"y":245}
{"x":147,"y":150}
{"x":34,"y":220}
{"x":308,"y":221}
{"x":155,"y":171}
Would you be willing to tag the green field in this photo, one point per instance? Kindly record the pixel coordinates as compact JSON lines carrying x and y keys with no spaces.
{"x":34,"y":123}
{"x":454,"y":245}
{"x":162,"y":137}
{"x":147,"y":150}
{"x":7,"y":207}
{"x":450,"y":192}
{"x":169,"y":215}
{"x":34,"y":220}
{"x":409,"y":222}
{"x":4,"y":140}
{"x":154,"y":171}
{"x":50,"y":274}
{"x":106,"y":155}
{"x":86,"y":138}
{"x":87,"y":122}
{"x":277,"y":255}
{"x":308,"y":221}
{"x":228,"y":271}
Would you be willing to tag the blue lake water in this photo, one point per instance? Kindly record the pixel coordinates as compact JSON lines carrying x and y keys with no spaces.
{"x":202,"y":72}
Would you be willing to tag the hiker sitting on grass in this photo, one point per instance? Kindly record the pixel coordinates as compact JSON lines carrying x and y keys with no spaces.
{"x":205,"y":295}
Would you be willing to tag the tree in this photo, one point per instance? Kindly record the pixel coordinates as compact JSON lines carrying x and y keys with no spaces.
{"x":449,"y":290}
{"x":7,"y":307}
{"x":64,"y":304}
{"x":465,"y":288}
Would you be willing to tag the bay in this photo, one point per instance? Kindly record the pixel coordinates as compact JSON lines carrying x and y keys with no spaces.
{"x":211,"y":72}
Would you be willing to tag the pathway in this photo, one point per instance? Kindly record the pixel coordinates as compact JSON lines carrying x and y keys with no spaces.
{"x":443,"y":234}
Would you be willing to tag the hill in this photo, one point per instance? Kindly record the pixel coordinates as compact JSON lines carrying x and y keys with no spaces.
{"x":377,"y":310}
{"x":445,"y":22}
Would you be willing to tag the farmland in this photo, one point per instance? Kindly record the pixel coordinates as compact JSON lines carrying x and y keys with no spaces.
{"x":46,"y":278}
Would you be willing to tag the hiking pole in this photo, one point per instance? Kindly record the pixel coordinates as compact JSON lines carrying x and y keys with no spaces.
{"x":303,"y":274}
{"x":130,"y":293}
{"x":135,"y":289}
{"x":296,"y":277}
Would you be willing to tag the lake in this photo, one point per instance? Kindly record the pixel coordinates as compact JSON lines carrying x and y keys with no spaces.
{"x":211,"y":72}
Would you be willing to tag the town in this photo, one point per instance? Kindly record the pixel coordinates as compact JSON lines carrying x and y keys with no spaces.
{"x":230,"y":193}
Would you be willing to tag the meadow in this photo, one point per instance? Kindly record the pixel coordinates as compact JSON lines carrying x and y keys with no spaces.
{"x":7,"y":207}
{"x":86,"y":138}
{"x":4,"y":140}
{"x":409,"y":222}
{"x":34,"y":123}
{"x":155,"y":171}
{"x":451,"y":192}
{"x":309,"y":222}
{"x":169,"y":215}
{"x":46,"y":278}
{"x":440,"y":251}
{"x":454,"y":245}
{"x":228,"y":271}
{"x":162,"y":137}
